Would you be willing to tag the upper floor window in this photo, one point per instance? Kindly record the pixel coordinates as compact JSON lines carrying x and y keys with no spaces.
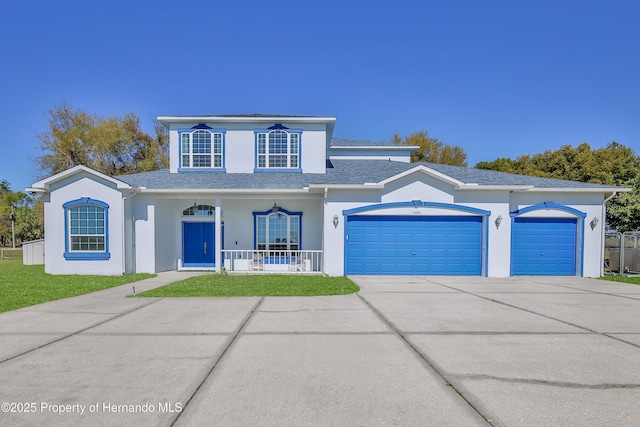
{"x":278,"y":148}
{"x":86,"y":229}
{"x":202,"y":147}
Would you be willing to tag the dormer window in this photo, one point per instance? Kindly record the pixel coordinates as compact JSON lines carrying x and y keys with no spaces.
{"x":278,"y":148}
{"x":201,"y":147}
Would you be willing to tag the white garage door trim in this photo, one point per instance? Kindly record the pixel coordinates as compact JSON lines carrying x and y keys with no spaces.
{"x":529,"y":212}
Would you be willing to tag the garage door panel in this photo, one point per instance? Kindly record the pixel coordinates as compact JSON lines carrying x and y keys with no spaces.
{"x":410,"y":245}
{"x":544,"y":246}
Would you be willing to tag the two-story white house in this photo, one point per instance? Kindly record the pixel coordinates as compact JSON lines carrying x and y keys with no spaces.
{"x":271,"y":193}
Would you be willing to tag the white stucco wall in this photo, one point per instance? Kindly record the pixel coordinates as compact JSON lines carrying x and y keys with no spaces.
{"x":78,"y":186}
{"x":589,"y":203}
{"x":151,"y":225}
{"x":357,"y":156}
{"x":499,"y":203}
{"x":143,"y":212}
{"x":129,"y":237}
{"x":368,"y":153}
{"x":240,"y":145}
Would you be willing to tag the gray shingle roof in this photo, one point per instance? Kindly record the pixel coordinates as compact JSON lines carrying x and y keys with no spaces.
{"x":338,"y":172}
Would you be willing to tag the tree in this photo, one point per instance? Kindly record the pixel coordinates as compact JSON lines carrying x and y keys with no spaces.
{"x":29,"y":215}
{"x":432,"y":150}
{"x":615,"y":165}
{"x":111,"y":145}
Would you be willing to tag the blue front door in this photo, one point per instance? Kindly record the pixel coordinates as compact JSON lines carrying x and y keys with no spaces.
{"x":198,"y":247}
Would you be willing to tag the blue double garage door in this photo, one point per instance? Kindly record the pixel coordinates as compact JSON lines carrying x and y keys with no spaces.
{"x":404,"y":245}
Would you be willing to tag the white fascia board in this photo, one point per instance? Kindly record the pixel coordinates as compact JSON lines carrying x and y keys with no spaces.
{"x":426,"y":171}
{"x":580,"y":190}
{"x":376,"y":147}
{"x":365,"y":186}
{"x":44,"y":185}
{"x":207,"y":191}
{"x":245,"y":119}
{"x":478,"y":187}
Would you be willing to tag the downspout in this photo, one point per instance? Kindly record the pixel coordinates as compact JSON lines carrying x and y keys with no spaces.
{"x":124,"y":241}
{"x":604,"y":222}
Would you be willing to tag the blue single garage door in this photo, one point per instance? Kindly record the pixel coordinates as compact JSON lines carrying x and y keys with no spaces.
{"x":396,"y":245}
{"x":543,"y":247}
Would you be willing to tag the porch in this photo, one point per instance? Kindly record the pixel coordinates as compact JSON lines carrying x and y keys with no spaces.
{"x":241,"y":235}
{"x":273,"y":261}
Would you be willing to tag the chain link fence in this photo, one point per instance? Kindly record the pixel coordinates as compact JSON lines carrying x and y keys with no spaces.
{"x":622,"y":253}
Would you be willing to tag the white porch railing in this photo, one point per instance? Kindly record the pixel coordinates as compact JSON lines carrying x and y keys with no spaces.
{"x":279,"y":262}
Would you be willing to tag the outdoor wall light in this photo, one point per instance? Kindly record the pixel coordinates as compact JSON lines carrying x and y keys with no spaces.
{"x":336,"y":221}
{"x":274,"y":209}
{"x":498,"y":221}
{"x":594,"y":222}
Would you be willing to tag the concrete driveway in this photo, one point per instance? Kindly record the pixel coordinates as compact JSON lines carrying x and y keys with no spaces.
{"x":404,"y":351}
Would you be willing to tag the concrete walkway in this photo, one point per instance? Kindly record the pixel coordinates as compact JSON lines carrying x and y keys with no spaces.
{"x":403,"y":351}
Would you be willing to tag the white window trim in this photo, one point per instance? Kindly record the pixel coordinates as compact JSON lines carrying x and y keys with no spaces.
{"x":282,"y":212}
{"x":190,"y":154}
{"x":291,"y":135}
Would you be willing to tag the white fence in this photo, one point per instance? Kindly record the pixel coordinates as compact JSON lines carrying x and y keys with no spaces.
{"x":280,"y":262}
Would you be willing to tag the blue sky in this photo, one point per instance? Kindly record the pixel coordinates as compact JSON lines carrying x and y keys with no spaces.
{"x":499,"y":78}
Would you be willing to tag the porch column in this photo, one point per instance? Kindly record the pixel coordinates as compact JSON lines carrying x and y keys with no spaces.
{"x":218,"y":237}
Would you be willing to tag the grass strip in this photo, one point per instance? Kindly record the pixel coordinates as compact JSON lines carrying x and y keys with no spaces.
{"x":624,"y":279}
{"x":25,"y":285}
{"x":231,"y":285}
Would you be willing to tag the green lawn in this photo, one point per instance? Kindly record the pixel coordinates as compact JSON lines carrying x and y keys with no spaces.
{"x":24,"y":285}
{"x":227,"y":285}
{"x":632,"y":279}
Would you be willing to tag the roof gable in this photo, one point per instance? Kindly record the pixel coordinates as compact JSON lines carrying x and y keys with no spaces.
{"x":44,"y":185}
{"x":426,"y":171}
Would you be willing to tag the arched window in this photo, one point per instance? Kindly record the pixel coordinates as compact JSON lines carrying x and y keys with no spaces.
{"x":86,"y":229}
{"x":278,"y":148}
{"x":202,"y":147}
{"x":199,"y":210}
{"x":279,"y":231}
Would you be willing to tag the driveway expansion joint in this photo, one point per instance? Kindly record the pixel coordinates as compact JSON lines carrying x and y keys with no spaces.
{"x":546,"y":316}
{"x":336,"y":333}
{"x":302,"y":310}
{"x":563,"y":384}
{"x":424,"y":358}
{"x":155,"y":334}
{"x":80,"y":331}
{"x":230,"y":341}
{"x":492,"y":333}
